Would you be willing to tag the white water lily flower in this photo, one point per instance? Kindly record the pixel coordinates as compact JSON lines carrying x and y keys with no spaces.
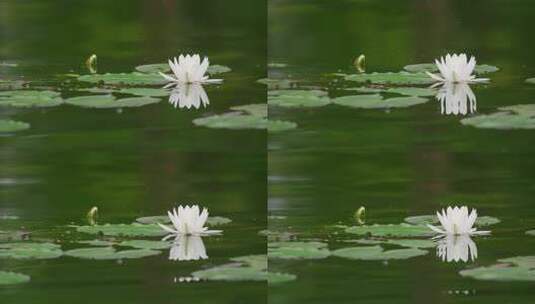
{"x":457,"y":221}
{"x":189,"y":69}
{"x":456,"y":99}
{"x":455,"y":248}
{"x":188,"y":96}
{"x":188,"y":221}
{"x":188,"y":248}
{"x":456,"y":68}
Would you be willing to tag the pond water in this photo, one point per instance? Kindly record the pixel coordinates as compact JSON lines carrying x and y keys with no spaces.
{"x":397,"y":162}
{"x":129,"y":161}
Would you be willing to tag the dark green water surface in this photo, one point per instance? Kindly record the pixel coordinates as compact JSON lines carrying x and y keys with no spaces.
{"x":137,"y":161}
{"x":400,"y":162}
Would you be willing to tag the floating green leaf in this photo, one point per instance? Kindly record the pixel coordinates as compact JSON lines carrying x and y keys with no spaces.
{"x":298,"y":250}
{"x":432,"y":68}
{"x":377,"y":253}
{"x":257,"y":261}
{"x":101,"y":243}
{"x":146,"y":244}
{"x":258,"y":109}
{"x":232,"y":120}
{"x":273,"y":84}
{"x":30,"y":98}
{"x":217,"y":221}
{"x":108,"y":101}
{"x":164,"y":219}
{"x":108,"y":253}
{"x":522,"y":109}
{"x":8,"y":126}
{"x":412,"y":243}
{"x":433,"y":219}
{"x":500,"y":272}
{"x":375,"y":101}
{"x":500,"y":120}
{"x":30,"y":250}
{"x":410,"y":91}
{"x":133,"y":230}
{"x":11,"y":278}
{"x":217,"y":69}
{"x":134,"y":78}
{"x":145,"y":92}
{"x":280,"y":125}
{"x":521,"y":261}
{"x":153,"y":68}
{"x":231,"y":273}
{"x":399,"y":78}
{"x":298,"y":98}
{"x":391,"y":230}
{"x":278,"y":277}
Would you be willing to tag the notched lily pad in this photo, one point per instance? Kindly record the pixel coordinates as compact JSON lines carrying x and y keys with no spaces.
{"x":371,"y":253}
{"x":132,"y":230}
{"x":399,"y":78}
{"x":432,"y":68}
{"x":376,"y":101}
{"x":30,"y":250}
{"x":108,"y":101}
{"x":258,"y":109}
{"x":500,"y":120}
{"x":8,"y":126}
{"x":391,"y":230}
{"x":278,"y":277}
{"x":11,"y":278}
{"x":298,"y":250}
{"x":500,"y":272}
{"x":134,"y":78}
{"x":108,"y":253}
{"x":433,"y":220}
{"x":30,"y":98}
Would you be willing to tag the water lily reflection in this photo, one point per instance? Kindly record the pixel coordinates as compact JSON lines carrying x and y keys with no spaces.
{"x":188,"y":96}
{"x":188,"y":248}
{"x":455,"y":248}
{"x":456,"y":99}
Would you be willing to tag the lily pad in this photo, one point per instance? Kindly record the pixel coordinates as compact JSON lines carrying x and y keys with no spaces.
{"x":101,"y":243}
{"x":134,"y":78}
{"x":376,"y":253}
{"x":530,"y":232}
{"x":522,"y":261}
{"x":298,"y":250}
{"x":8,"y":126}
{"x":298,"y":98}
{"x":148,"y":92}
{"x":108,"y":101}
{"x":280,"y":125}
{"x":412,"y":243}
{"x":399,"y":78}
{"x":375,"y":101}
{"x":522,"y":109}
{"x":153,"y":68}
{"x":164,"y":219}
{"x":257,"y":261}
{"x":146,"y":244}
{"x":108,"y":253}
{"x":410,"y":91}
{"x":432,"y":68}
{"x":500,"y":272}
{"x":391,"y":230}
{"x":501,"y":120}
{"x":30,"y":250}
{"x":231,"y":273}
{"x":30,"y":98}
{"x":273,"y":84}
{"x":232,"y":120}
{"x":277,"y":277}
{"x":217,"y":69}
{"x":133,"y":230}
{"x":258,"y":109}
{"x":11,"y":278}
{"x":433,"y":220}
